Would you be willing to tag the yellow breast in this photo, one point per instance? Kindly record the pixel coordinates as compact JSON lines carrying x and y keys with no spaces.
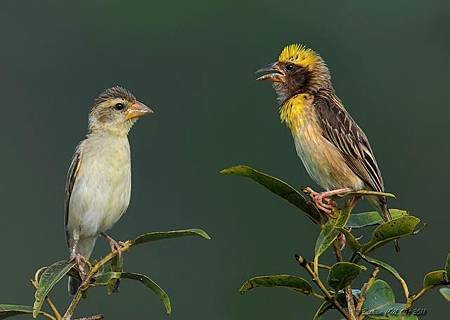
{"x":294,"y":111}
{"x":323,"y":161}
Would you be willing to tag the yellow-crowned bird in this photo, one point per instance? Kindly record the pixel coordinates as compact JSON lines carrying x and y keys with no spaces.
{"x":333,"y":148}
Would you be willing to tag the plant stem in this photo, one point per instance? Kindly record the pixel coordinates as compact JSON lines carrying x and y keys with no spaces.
{"x":328,"y":296}
{"x":324,"y":266}
{"x":398,"y":277}
{"x":364,"y":289}
{"x":347,"y":290}
{"x":318,"y":296}
{"x":87,"y":280}
{"x":416,"y":296}
{"x":48,"y":316}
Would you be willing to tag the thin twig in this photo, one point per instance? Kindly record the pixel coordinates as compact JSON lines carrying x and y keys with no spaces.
{"x":398,"y":277}
{"x":318,"y":295}
{"x":416,"y":296}
{"x":328,"y":296}
{"x":366,"y":286}
{"x":47,"y":315}
{"x":347,"y":290}
{"x":87,"y":280}
{"x":324,"y":266}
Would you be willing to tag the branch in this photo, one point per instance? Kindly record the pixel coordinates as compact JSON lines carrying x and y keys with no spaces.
{"x":418,"y":295}
{"x":328,"y":296}
{"x":87,"y":280}
{"x":318,"y":296}
{"x":347,"y":290}
{"x":48,"y":316}
{"x":364,"y":289}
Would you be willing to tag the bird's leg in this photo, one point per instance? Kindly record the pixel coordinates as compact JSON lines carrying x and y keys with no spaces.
{"x":323,"y":200}
{"x":81,"y":263}
{"x":116,"y":246}
{"x":80,"y":260}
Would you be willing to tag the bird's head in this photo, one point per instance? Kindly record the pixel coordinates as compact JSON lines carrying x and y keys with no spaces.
{"x":115,"y":111}
{"x":297,"y":70}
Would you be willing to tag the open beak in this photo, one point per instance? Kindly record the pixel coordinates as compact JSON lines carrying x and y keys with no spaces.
{"x":137,"y":110}
{"x":273,"y":73}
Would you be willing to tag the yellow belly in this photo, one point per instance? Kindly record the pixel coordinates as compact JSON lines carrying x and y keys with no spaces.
{"x":322,"y":160}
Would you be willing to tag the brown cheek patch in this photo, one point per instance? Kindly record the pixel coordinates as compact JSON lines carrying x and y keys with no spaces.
{"x":104,"y":115}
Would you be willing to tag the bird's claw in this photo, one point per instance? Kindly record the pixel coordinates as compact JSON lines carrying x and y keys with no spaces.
{"x":323,"y":203}
{"x":80,"y":262}
{"x":323,"y":200}
{"x":116,"y":246}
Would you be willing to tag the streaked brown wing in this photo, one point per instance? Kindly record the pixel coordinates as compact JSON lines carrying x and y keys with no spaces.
{"x":342,"y":131}
{"x":70,"y":181}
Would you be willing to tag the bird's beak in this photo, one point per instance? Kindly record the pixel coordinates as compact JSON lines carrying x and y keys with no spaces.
{"x":274,"y":73}
{"x":137,"y":110}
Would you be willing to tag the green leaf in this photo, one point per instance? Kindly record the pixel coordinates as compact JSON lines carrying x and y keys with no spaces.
{"x":116,"y":265}
{"x":372,"y":218}
{"x":390,"y":231}
{"x":445,"y":292}
{"x":434,"y":278}
{"x":154,"y":236}
{"x":49,"y":278}
{"x":330,"y":230}
{"x":280,"y":188}
{"x":284,"y":281}
{"x":365,"y":193}
{"x":327,"y":235}
{"x":342,"y":274}
{"x":10,"y":310}
{"x":388,"y":268}
{"x":380,"y":300}
{"x":380,"y":304}
{"x":104,"y":278}
{"x":152,"y":285}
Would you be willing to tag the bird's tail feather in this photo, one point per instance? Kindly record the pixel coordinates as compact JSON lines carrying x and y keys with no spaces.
{"x":84,"y":247}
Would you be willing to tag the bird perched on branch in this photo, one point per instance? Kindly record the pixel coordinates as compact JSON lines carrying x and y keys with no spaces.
{"x":333,"y":148}
{"x":98,"y":185}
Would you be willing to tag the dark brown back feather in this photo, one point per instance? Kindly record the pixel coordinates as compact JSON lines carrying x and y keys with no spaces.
{"x":342,"y":131}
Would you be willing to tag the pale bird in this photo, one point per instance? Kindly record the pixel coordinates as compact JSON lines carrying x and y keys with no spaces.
{"x":98,"y":185}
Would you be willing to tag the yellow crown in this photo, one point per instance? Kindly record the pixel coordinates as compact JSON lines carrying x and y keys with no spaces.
{"x":299,"y":55}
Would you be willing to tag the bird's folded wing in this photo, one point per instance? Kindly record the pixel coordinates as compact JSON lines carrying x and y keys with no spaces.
{"x":342,"y":131}
{"x":70,"y":181}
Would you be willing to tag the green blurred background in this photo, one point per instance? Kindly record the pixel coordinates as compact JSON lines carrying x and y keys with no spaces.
{"x":194,"y":63}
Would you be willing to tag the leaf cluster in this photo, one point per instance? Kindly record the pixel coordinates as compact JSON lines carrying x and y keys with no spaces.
{"x":107,"y":272}
{"x":334,"y":285}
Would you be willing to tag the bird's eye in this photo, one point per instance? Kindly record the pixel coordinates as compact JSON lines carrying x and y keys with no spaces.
{"x":119,"y":106}
{"x":289,"y":67}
